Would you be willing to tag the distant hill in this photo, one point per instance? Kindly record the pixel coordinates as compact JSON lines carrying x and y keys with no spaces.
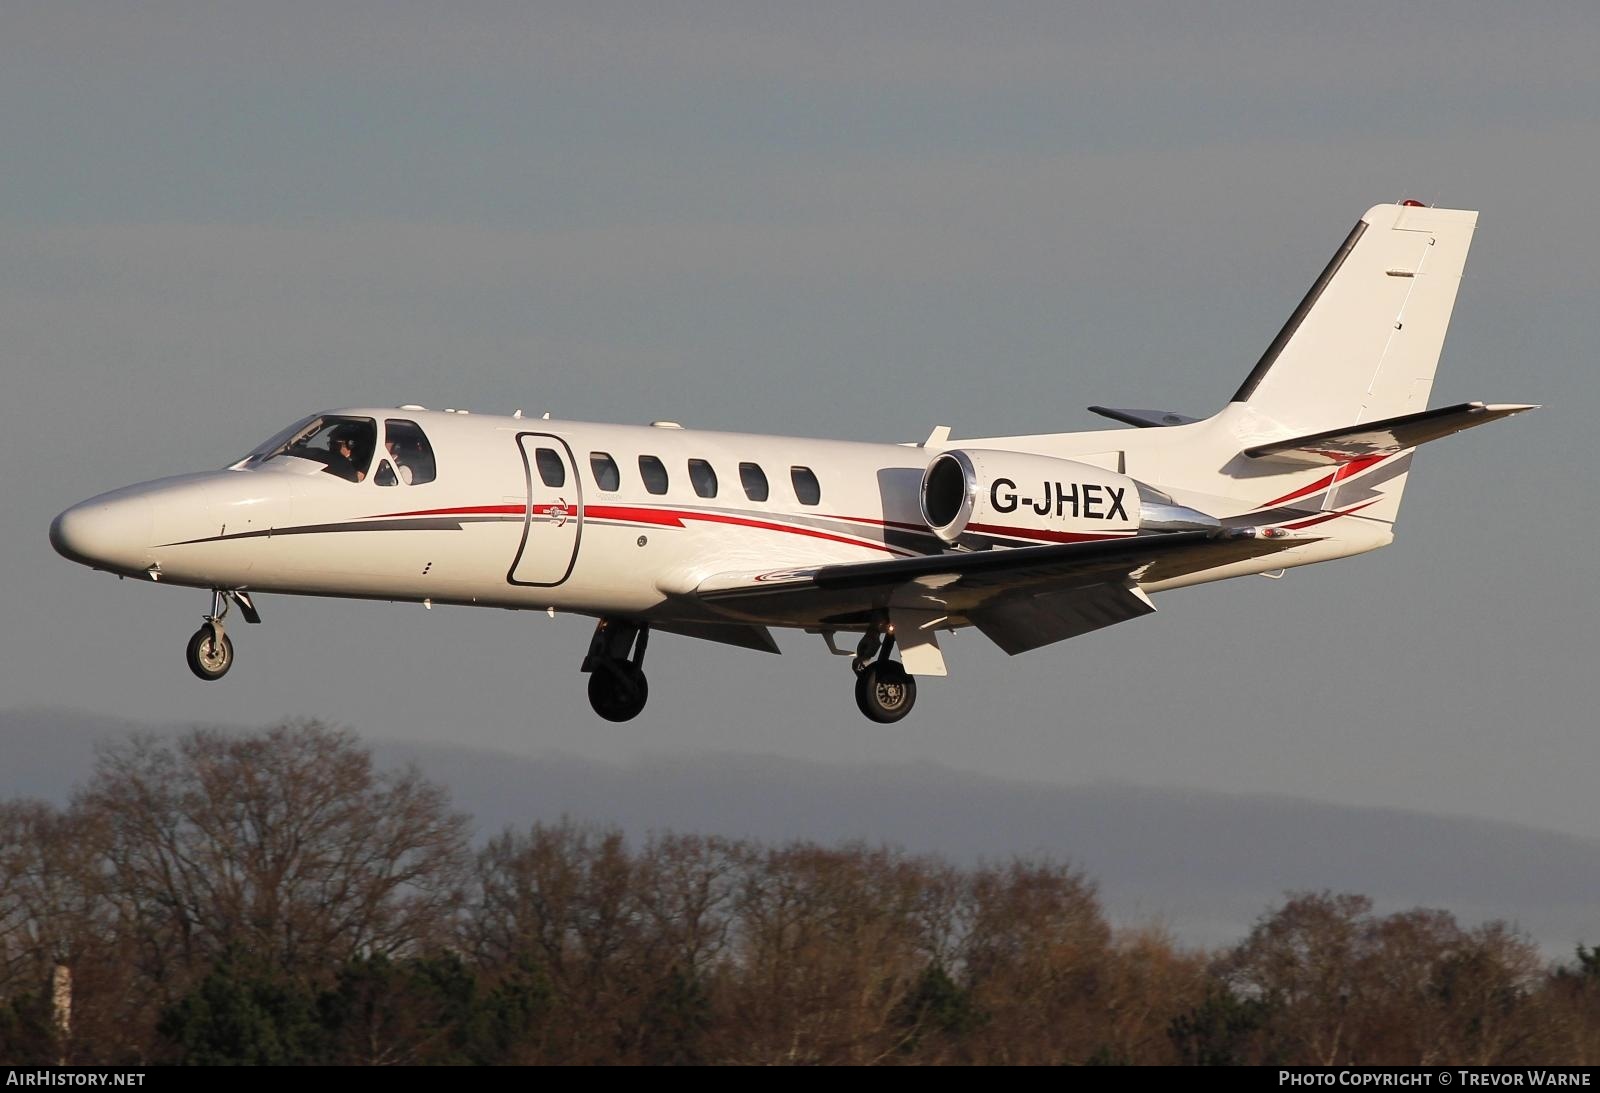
{"x":1202,"y":864}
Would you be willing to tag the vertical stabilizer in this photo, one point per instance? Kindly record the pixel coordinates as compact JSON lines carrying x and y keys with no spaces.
{"x":1365,"y":341}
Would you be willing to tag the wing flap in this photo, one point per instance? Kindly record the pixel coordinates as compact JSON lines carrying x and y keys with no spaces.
{"x":1029,"y":622}
{"x":744,"y":635}
{"x":1384,"y":437}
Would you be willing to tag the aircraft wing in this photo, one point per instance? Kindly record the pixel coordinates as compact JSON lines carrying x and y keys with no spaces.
{"x":1020,"y":598}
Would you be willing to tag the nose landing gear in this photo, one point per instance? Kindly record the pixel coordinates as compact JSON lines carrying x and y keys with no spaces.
{"x":885,"y":692}
{"x":210,"y":651}
{"x":618,"y":689}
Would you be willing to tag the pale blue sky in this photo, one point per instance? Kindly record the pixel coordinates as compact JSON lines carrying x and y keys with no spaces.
{"x":849,"y":220}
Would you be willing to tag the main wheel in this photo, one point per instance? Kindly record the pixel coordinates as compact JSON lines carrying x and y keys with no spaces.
{"x":885,"y":692}
{"x":208,"y":658}
{"x":619,"y":695}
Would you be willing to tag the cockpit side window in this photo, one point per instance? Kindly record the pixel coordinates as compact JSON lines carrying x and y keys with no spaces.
{"x":343,"y":445}
{"x":408,"y":446}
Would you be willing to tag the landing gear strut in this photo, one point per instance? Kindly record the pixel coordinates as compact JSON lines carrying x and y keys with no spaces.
{"x":210,"y":651}
{"x":884,"y":691}
{"x":617,"y":687}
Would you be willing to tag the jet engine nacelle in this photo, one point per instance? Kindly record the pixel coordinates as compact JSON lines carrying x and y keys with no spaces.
{"x":1043,"y":498}
{"x":1036,"y":496}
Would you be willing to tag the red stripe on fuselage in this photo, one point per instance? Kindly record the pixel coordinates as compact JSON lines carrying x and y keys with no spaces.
{"x":672,"y":518}
{"x":896,"y":524}
{"x":1045,"y":536}
{"x":459,"y":510}
{"x":1355,"y":466}
{"x":658,"y":517}
{"x":661,"y":517}
{"x":1325,"y":517}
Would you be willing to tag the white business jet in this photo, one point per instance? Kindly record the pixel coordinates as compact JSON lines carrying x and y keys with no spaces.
{"x":876,"y":547}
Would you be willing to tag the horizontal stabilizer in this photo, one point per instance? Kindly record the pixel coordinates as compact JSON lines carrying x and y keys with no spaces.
{"x":1144,"y":419}
{"x":1385,"y":437}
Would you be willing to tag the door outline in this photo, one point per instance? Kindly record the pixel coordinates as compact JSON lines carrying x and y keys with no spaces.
{"x":575,"y":509}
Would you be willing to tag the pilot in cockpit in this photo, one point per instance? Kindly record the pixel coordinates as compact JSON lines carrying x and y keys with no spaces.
{"x":347,"y":458}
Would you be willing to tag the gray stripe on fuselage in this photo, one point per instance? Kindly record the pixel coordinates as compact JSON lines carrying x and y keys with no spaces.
{"x":436,"y":523}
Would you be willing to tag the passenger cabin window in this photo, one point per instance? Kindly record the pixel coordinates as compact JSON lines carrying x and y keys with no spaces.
{"x":654,"y":473}
{"x":606,"y":475}
{"x":754,"y":480}
{"x":806,"y":488}
{"x":410,"y":451}
{"x":552,"y":472}
{"x":703,"y":477}
{"x":343,"y":445}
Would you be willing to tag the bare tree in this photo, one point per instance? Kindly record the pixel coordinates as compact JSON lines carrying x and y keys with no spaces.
{"x":271,"y":896}
{"x":832,"y":942}
{"x":1346,"y":987}
{"x":285,"y":844}
{"x":57,"y":927}
{"x":1034,"y":954}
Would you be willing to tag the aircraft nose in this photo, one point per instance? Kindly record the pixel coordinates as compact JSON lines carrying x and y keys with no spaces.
{"x":106,"y":533}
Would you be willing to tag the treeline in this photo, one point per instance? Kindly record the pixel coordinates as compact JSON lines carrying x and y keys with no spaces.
{"x":273,"y":898}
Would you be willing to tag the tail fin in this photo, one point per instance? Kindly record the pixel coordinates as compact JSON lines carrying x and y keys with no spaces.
{"x":1365,"y":341}
{"x":1361,"y":348}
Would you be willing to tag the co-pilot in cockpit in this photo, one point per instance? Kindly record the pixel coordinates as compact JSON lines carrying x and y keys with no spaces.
{"x":408,"y":447}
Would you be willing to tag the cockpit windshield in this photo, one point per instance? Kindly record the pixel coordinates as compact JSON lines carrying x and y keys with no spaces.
{"x":343,"y":445}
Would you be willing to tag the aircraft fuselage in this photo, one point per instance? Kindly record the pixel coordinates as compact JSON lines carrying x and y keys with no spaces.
{"x":1030,"y":539}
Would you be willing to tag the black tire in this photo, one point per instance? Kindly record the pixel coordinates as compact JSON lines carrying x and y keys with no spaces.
{"x":885,"y":692}
{"x":619,"y":695}
{"x":207,"y":659}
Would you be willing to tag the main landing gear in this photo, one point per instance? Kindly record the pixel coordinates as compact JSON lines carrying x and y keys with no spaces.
{"x":885,"y":692}
{"x":617,"y":687}
{"x":618,"y":691}
{"x":210,"y":651}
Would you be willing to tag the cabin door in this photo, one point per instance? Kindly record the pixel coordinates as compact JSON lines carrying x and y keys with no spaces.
{"x":553,"y":522}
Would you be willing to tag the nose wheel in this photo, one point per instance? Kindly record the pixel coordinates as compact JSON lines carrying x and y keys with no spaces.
{"x":885,"y":692}
{"x":618,"y":689}
{"x":210,"y":651}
